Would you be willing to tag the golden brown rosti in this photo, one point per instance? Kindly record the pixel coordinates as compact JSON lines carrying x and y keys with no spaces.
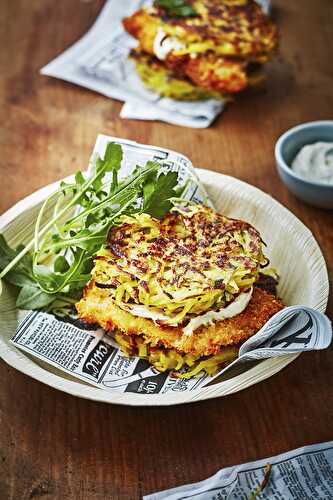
{"x":192,"y":261}
{"x":228,"y":28}
{"x":215,"y":53}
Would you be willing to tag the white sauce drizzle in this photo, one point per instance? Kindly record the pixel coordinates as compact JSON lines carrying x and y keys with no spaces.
{"x":208,"y":318}
{"x":314,"y":162}
{"x":164,"y":44}
{"x":231,"y":310}
{"x":144,"y":312}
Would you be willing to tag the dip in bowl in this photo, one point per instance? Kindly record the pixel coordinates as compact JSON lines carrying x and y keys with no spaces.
{"x":301,"y":169}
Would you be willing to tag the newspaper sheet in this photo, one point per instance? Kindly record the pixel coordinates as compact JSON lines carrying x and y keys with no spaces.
{"x":135,"y":153}
{"x":94,"y":357}
{"x":304,"y":473}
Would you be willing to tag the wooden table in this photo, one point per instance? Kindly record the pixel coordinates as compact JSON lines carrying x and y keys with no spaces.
{"x":56,"y":446}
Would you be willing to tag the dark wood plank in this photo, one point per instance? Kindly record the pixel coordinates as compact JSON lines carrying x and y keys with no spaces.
{"x":56,"y":446}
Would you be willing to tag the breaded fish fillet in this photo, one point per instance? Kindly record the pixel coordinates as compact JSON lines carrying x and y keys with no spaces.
{"x":97,"y":307}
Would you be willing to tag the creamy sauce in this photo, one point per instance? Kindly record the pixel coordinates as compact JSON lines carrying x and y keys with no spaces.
{"x":314,"y":162}
{"x":231,"y":310}
{"x":164,"y":44}
{"x":144,"y":312}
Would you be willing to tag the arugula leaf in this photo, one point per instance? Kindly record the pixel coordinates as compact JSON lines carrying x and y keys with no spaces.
{"x":20,"y":278}
{"x":6,"y":253}
{"x":112,"y":160}
{"x":113,"y":157}
{"x":23,"y":272}
{"x":60,"y":264}
{"x":157,"y":194}
{"x":32,"y":297}
{"x":177,"y":8}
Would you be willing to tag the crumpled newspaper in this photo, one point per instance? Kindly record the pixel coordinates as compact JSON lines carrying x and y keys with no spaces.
{"x":302,"y":473}
{"x":99,"y":61}
{"x":95,"y":357}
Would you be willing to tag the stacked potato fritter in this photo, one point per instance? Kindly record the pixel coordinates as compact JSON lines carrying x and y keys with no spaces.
{"x":216,"y":51}
{"x":179,"y":291}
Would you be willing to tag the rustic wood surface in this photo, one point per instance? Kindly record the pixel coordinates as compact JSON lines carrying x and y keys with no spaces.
{"x":56,"y":446}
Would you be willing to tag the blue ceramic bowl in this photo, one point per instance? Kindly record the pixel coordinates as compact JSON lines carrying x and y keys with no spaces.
{"x":288,"y":145}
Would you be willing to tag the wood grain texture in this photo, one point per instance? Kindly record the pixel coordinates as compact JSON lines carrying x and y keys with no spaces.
{"x":54,"y":446}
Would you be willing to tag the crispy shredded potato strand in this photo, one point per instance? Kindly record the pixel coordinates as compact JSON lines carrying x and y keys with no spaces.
{"x":186,"y":365}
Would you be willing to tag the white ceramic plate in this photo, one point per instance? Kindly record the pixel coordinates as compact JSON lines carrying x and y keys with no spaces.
{"x":290,"y":245}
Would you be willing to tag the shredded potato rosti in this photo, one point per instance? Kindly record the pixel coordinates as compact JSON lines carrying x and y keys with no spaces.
{"x":215,"y":53}
{"x":190,"y":263}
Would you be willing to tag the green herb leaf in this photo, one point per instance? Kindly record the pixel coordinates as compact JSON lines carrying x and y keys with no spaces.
{"x":32,"y":297}
{"x":177,"y":8}
{"x":113,"y":157}
{"x":61,"y":265}
{"x":23,"y":271}
{"x":112,"y":162}
{"x":157,"y":194}
{"x":79,"y":179}
{"x":20,"y":278}
{"x":6,"y":253}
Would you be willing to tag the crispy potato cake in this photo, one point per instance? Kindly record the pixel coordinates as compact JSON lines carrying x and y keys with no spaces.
{"x":179,"y":291}
{"x":168,"y":83}
{"x":228,"y":28}
{"x":220,"y":50}
{"x":191,"y":261}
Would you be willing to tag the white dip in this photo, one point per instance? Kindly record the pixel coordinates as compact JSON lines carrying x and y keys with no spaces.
{"x":314,"y":162}
{"x":164,"y":44}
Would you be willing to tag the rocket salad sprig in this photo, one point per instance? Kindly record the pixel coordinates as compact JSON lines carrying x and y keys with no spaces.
{"x":177,"y":8}
{"x":55,"y":265}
